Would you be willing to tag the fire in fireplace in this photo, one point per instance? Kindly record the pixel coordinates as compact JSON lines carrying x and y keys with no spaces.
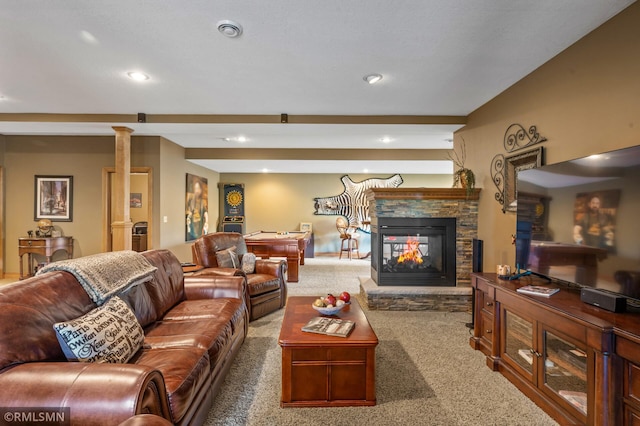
{"x":414,"y":251}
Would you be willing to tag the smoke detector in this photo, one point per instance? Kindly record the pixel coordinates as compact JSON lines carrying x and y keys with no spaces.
{"x":229,"y":29}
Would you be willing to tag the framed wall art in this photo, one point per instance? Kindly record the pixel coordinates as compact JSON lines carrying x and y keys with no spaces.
{"x":135,"y":200}
{"x":196,"y":207}
{"x":53,"y":198}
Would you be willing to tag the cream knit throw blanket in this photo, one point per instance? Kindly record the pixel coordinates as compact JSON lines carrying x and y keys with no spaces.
{"x":105,"y":274}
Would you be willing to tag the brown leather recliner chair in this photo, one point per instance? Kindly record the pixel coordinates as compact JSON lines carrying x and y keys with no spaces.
{"x":266,"y":288}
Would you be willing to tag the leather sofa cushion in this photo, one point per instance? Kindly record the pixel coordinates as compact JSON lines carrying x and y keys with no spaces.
{"x":166,"y":288}
{"x":228,"y":258}
{"x":262,"y":283}
{"x":185,"y":370}
{"x":213,"y":335}
{"x":29,"y":309}
{"x":109,"y":333}
{"x":209,"y":308}
{"x":139,"y":300}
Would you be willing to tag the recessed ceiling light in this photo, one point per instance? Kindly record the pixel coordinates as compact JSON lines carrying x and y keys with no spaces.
{"x":265,"y":170}
{"x":236,"y":139}
{"x":229,"y":29}
{"x":372,"y":78}
{"x":365,"y":171}
{"x":88,"y":37}
{"x":385,"y":139}
{"x":137,"y":76}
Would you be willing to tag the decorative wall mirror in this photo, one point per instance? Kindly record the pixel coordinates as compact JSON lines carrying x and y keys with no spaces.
{"x":514,"y":164}
{"x":504,"y":170}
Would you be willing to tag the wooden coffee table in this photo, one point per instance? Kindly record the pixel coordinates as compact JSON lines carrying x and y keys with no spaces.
{"x":326,"y":371}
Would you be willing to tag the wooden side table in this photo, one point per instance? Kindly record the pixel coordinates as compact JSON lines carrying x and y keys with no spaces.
{"x":42,"y":246}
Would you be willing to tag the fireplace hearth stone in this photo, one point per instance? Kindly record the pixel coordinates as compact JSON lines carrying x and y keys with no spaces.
{"x":412,"y":298}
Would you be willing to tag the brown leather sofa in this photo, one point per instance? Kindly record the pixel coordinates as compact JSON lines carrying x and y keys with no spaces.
{"x":267,"y":290}
{"x":194,"y":328}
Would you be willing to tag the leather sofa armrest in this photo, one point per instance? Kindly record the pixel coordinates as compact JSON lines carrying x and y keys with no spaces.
{"x":96,"y":393}
{"x":271,"y":267}
{"x":225,"y":272}
{"x":214,"y":286}
{"x":146,"y":420}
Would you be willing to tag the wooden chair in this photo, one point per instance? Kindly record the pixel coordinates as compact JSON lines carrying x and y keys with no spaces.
{"x":349,"y":238}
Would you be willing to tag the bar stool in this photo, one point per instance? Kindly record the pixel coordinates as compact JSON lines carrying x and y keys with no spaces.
{"x":349,"y":238}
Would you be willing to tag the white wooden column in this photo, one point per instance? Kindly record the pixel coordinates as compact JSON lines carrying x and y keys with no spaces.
{"x":121,"y":221}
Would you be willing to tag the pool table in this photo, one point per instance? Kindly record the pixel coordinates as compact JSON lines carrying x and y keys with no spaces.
{"x":291,"y":245}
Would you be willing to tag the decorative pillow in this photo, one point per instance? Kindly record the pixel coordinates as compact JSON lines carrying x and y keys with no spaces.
{"x":248,"y":263}
{"x":109,"y":333}
{"x":228,"y":258}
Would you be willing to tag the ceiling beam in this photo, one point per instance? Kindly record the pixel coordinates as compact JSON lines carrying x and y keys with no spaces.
{"x":235,"y":119}
{"x":315,"y":154}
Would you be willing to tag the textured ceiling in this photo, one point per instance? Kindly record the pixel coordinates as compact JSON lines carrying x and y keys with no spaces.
{"x":298,"y":57}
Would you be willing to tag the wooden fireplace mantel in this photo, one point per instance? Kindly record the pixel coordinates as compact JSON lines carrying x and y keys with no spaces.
{"x":421,"y":194}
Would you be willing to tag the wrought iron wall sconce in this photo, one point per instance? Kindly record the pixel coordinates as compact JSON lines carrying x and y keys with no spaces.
{"x":504,"y":168}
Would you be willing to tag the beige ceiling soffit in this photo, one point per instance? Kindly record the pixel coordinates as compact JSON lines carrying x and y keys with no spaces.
{"x":377,"y":119}
{"x":234,"y":119}
{"x":308,"y":119}
{"x":315,"y":154}
{"x":70,"y":118}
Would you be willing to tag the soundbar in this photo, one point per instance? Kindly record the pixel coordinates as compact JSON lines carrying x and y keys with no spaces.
{"x":601,"y":299}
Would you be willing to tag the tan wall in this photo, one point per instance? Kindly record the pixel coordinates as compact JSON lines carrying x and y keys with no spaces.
{"x":584,"y":101}
{"x":172,"y":204}
{"x":279,"y":202}
{"x":80,"y":157}
{"x":84,"y":158}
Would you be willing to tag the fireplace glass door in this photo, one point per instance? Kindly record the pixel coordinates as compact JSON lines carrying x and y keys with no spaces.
{"x":412,"y":253}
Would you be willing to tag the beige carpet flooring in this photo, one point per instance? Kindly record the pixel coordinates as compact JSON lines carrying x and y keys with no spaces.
{"x":426,"y":372}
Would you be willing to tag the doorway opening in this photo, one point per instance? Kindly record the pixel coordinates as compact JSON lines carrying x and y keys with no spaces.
{"x":140,"y":207}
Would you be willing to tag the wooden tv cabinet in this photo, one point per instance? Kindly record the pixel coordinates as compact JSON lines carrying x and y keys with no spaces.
{"x":579,"y":363}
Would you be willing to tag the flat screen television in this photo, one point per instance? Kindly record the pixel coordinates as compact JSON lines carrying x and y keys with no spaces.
{"x":578,"y":221}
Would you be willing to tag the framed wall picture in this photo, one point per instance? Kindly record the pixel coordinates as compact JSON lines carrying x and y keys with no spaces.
{"x":306,"y":226}
{"x":53,"y":198}
{"x":135,"y":200}
{"x":196,"y":207}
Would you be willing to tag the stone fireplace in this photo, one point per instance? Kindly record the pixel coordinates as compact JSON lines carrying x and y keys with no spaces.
{"x":448,"y":219}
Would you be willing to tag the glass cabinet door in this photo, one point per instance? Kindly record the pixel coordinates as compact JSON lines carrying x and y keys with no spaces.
{"x":518,"y":341}
{"x":565,"y":370}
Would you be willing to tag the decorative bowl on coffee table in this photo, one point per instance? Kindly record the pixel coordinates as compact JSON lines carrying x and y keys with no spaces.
{"x":329,"y":311}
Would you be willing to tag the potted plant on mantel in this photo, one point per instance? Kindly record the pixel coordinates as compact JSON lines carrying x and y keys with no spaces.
{"x":463,"y":176}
